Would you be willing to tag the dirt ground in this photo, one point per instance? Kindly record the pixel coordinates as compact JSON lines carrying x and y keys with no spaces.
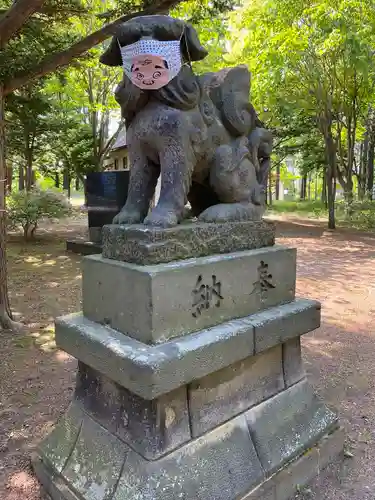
{"x":37,"y":381}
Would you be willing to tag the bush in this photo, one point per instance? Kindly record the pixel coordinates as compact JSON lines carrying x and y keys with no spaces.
{"x":361,"y":215}
{"x":27,"y":208}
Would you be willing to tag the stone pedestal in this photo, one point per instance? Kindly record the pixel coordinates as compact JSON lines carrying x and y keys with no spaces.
{"x":190,"y":382}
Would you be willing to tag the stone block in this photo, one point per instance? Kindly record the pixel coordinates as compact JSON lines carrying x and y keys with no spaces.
{"x":284,"y":484}
{"x":95,"y":465}
{"x":153,"y":370}
{"x":273,"y":326}
{"x":154,"y":245}
{"x":222,"y":395}
{"x":57,"y":447}
{"x":82,"y":247}
{"x":56,"y":488}
{"x":221,"y":465}
{"x":287,"y":424}
{"x":292,"y":362}
{"x":95,"y":235}
{"x":156,"y":303}
{"x":152,"y":428}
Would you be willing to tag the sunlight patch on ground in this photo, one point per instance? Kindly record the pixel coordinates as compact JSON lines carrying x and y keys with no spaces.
{"x":31,"y":259}
{"x":45,"y":338}
{"x":22,"y":480}
{"x":62,"y":357}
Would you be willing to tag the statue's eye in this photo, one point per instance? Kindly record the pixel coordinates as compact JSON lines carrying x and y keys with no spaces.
{"x":157,"y":74}
{"x":140,"y":76}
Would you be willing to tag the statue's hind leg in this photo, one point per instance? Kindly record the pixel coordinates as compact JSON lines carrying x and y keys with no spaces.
{"x":234,"y":180}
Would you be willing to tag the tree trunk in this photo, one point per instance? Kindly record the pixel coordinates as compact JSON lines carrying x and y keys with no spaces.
{"x":9,"y":179}
{"x":331,"y":152}
{"x":57,"y":180}
{"x":270,"y":201}
{"x":331,"y":192}
{"x":277,"y":191}
{"x":370,"y":170}
{"x":66,"y":181}
{"x":5,"y":312}
{"x":316,"y":187}
{"x":77,"y":184}
{"x":303,"y":187}
{"x":324,"y":189}
{"x":362,"y":170}
{"x":21,"y":178}
{"x":29,"y":169}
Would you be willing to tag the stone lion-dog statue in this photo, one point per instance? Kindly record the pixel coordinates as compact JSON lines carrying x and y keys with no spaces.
{"x":200,"y":133}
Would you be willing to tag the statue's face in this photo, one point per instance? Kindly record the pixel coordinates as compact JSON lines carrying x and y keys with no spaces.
{"x":150,"y":71}
{"x":151,"y":64}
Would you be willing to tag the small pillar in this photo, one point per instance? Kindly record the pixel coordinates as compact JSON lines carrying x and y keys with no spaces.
{"x":190,"y":382}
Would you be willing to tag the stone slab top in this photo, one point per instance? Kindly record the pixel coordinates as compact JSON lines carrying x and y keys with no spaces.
{"x":140,"y":244}
{"x":153,"y":370}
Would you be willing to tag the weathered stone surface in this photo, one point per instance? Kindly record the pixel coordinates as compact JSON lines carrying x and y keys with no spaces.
{"x":272,"y":326}
{"x":95,"y":465}
{"x":224,"y":394}
{"x":152,"y":428}
{"x":57,"y":447}
{"x":287,"y":424}
{"x":292,"y":362}
{"x":155,"y":303}
{"x":221,"y":465}
{"x":147,"y":245}
{"x":280,"y":486}
{"x":53,"y":484}
{"x":151,"y":371}
{"x":284,"y":484}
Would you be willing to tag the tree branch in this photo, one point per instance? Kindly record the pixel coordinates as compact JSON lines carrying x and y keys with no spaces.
{"x":111,"y":141}
{"x":63,"y":58}
{"x":15,"y":17}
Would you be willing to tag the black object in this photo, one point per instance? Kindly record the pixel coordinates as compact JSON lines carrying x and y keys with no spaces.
{"x":83,"y":247}
{"x":105,"y":195}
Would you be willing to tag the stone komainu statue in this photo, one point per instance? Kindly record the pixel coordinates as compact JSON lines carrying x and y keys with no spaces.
{"x":200,"y":133}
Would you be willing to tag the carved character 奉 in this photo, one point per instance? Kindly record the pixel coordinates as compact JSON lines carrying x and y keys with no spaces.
{"x":200,"y":133}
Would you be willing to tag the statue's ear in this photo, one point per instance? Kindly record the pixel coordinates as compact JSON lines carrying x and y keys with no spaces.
{"x":191,"y":47}
{"x":112,"y":56}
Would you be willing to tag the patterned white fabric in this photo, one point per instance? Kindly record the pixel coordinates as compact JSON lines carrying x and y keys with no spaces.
{"x":148,"y":51}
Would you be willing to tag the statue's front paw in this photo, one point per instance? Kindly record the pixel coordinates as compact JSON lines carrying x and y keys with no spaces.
{"x":161,"y":218}
{"x":127,"y":217}
{"x":232,"y":212}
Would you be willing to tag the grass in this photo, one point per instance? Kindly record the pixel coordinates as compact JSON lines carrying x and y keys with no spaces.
{"x":361,"y":216}
{"x":306,"y":208}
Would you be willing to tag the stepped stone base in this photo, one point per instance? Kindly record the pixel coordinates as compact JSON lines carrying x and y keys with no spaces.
{"x":265,"y":453}
{"x":280,"y":486}
{"x":190,"y":380}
